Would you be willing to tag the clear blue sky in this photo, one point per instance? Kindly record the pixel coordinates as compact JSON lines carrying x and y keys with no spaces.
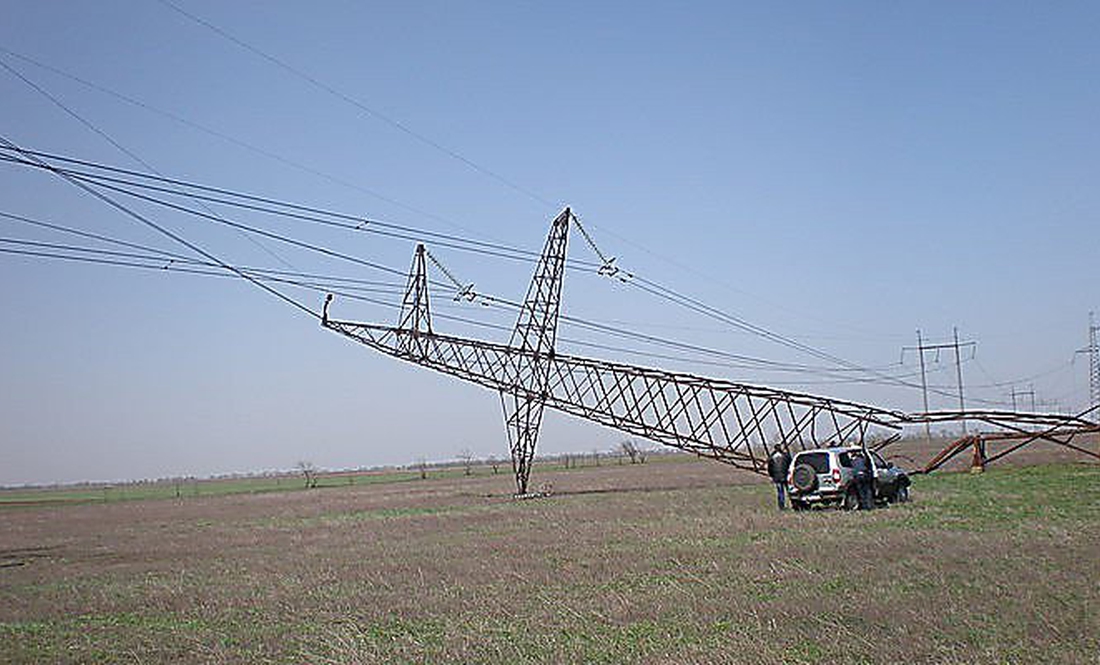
{"x":842,"y":173}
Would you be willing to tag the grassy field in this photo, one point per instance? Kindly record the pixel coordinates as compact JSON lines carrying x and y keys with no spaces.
{"x":289,"y":481}
{"x":190,"y":488}
{"x":671,"y":562}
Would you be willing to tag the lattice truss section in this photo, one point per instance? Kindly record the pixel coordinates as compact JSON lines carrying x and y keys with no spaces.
{"x":729,"y":422}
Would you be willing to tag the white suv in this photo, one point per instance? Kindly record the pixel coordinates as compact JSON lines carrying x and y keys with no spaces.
{"x":824,"y":476}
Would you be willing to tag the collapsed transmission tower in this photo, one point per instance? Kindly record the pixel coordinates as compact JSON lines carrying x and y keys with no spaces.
{"x":734,"y":423}
{"x":730,"y":422}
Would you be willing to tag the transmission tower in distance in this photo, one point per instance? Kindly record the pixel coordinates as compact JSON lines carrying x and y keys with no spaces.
{"x":1093,"y":351}
{"x":920,"y":348}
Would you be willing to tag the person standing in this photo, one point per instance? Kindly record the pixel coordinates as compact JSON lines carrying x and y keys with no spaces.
{"x":864,"y":477}
{"x":778,"y":464}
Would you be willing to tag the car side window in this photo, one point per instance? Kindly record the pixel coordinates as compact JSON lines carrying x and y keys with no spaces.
{"x":878,"y":460}
{"x":845,"y":460}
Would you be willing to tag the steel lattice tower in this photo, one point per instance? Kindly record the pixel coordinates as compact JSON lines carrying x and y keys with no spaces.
{"x":731,"y":422}
{"x":1094,"y":361}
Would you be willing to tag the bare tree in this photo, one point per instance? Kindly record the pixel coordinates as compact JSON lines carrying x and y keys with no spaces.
{"x":422,"y":466}
{"x":467,"y":457}
{"x":495,"y":463}
{"x":630,"y":449}
{"x":309,"y":472}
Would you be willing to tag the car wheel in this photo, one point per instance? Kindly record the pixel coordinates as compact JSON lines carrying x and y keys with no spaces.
{"x":851,"y":500}
{"x":799,"y":506}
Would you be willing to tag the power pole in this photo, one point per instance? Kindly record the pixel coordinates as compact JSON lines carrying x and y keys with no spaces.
{"x":1093,"y":349}
{"x":923,"y":384}
{"x":1030,"y":392}
{"x":920,"y":348}
{"x":1050,"y":406}
{"x":959,"y":375}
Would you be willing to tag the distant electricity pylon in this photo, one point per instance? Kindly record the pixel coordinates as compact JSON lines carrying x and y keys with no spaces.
{"x":1030,"y":392}
{"x":1094,"y":361}
{"x":1093,"y":351}
{"x":920,"y":348}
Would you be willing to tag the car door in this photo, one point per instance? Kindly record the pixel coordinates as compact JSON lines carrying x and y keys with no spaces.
{"x":886,"y":476}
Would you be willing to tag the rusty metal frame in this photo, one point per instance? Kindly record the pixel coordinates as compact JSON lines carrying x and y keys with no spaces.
{"x":1058,"y":429}
{"x":733,"y":423}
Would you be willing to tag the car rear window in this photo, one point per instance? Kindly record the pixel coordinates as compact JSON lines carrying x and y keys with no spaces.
{"x":819,"y":461}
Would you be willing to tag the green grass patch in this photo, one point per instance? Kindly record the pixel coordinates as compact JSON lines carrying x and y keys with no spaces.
{"x":1002,"y":498}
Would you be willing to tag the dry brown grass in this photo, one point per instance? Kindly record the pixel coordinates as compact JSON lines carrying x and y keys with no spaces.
{"x":668,"y":562}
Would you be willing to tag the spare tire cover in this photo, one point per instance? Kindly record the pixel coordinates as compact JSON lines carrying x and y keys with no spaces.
{"x":804,"y":478}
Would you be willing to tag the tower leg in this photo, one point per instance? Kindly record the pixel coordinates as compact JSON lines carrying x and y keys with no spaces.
{"x":977,"y":463}
{"x":522,"y":418}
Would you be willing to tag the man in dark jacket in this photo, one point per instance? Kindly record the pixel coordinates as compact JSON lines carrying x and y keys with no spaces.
{"x":778,"y":464}
{"x":864,"y":477}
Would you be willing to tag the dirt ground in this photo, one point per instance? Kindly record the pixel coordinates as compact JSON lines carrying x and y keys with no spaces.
{"x":672,"y":561}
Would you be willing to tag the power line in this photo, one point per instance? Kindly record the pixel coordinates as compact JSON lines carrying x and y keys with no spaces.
{"x":103,"y":183}
{"x":730,"y":360}
{"x":287,"y":209}
{"x":193,"y":267}
{"x":606,"y":263}
{"x":236,"y":141}
{"x":921,"y":347}
{"x":164,"y":231}
{"x":171,"y":261}
{"x":500,"y":301}
{"x":344,"y":220}
{"x":428,"y":141}
{"x":174,"y":256}
{"x":120,"y":185}
{"x":697,"y":306}
{"x":374,"y":113}
{"x":606,"y":267}
{"x":233,"y":224}
{"x":105,"y":136}
{"x":407,"y":130}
